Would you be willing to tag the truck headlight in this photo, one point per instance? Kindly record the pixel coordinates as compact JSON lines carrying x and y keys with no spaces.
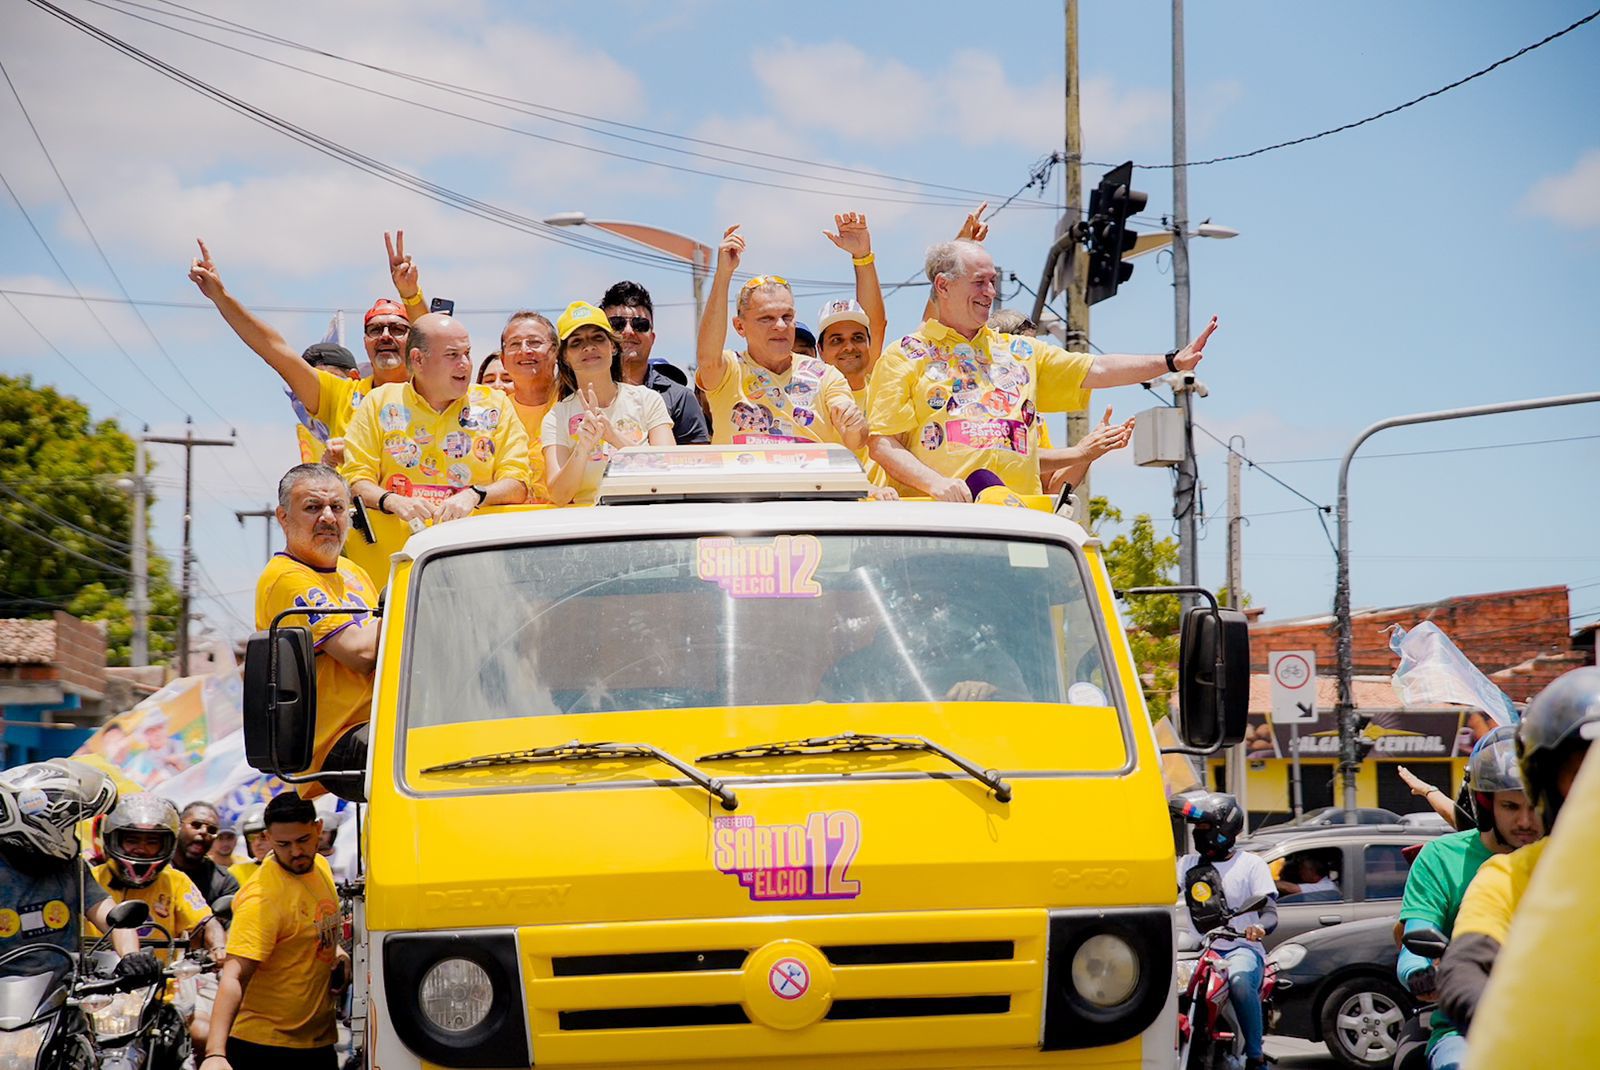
{"x":456,"y":995}
{"x":1288,"y":955}
{"x":1105,"y":970}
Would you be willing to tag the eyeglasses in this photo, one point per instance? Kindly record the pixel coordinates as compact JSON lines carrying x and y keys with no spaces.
{"x":399,"y":330}
{"x":766,"y":280}
{"x":531,"y":345}
{"x":640,"y":324}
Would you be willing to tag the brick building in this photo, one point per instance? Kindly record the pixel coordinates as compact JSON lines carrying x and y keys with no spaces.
{"x":52,"y":686}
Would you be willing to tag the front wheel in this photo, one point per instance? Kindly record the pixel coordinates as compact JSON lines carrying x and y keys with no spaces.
{"x":1361,"y":1021}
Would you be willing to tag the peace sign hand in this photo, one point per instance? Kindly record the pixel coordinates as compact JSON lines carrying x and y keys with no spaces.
{"x":730,"y":251}
{"x":203,"y":273}
{"x":974,"y":228}
{"x":596,"y":426}
{"x":853,"y":236}
{"x":1190,"y":354}
{"x":401,"y":267}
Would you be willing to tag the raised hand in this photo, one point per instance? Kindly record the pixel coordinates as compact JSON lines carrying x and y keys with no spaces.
{"x":203,"y":273}
{"x":853,"y":236}
{"x":1190,"y":354}
{"x":596,"y":425}
{"x":401,"y":268}
{"x":974,"y":228}
{"x":730,"y":251}
{"x":1106,"y":437}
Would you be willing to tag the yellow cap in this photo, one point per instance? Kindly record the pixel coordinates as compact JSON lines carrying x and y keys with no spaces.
{"x":582,"y":314}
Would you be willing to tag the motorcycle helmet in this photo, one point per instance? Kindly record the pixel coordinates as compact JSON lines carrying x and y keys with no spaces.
{"x":252,"y":823}
{"x":1217,"y":821}
{"x":41,"y":804}
{"x":1493,"y":767}
{"x":1561,"y":720}
{"x":142,"y":813}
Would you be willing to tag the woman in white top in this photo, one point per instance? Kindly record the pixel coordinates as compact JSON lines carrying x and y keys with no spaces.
{"x":598,"y":413}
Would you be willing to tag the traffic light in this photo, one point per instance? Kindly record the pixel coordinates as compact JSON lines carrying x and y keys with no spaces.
{"x":1110,"y":205}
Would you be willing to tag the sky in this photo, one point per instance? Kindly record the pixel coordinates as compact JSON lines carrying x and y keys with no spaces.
{"x":1443,"y":256}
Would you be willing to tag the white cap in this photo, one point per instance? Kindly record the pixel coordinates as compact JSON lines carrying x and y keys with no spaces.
{"x":840,"y":312}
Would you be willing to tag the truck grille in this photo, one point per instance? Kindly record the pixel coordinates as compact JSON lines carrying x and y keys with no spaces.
{"x":663,"y":991}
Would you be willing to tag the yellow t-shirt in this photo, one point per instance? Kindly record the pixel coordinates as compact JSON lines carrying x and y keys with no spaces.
{"x":244,"y":872}
{"x":344,"y":696}
{"x":398,"y":441}
{"x":1492,"y":897}
{"x":753,"y":405}
{"x":532,"y":417}
{"x":875,"y":474}
{"x":290,"y":926}
{"x":965,"y":405}
{"x":340,"y":398}
{"x":175,"y":903}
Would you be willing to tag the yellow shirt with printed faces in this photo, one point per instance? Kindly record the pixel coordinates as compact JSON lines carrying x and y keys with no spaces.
{"x":965,"y":405}
{"x":175,"y":903}
{"x":344,"y":696}
{"x":398,"y":441}
{"x":875,"y":475}
{"x":753,"y":405}
{"x":532,"y":417}
{"x":290,"y":926}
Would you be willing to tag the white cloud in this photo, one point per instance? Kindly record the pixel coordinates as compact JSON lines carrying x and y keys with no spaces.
{"x":1572,"y":198}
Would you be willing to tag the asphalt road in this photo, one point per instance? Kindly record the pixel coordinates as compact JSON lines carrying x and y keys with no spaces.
{"x":1291,"y":1052}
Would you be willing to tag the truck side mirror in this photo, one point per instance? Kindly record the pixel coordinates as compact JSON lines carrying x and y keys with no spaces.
{"x":280,"y":700}
{"x":1213,"y":677}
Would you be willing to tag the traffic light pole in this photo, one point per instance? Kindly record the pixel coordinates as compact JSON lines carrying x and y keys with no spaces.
{"x":1077,"y":338}
{"x":1185,"y":492}
{"x":1345,"y":711}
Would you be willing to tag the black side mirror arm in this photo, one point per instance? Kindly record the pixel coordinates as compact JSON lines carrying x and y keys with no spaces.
{"x":272,"y":678}
{"x":1222,"y":662}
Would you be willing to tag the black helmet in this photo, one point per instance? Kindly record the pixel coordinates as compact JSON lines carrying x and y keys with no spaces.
{"x":1217,"y":821}
{"x":1492,"y":767}
{"x":1560,"y":720}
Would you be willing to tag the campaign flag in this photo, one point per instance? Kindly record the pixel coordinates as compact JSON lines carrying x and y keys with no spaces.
{"x":222,"y":778}
{"x":171,"y":730}
{"x":1434,"y":672}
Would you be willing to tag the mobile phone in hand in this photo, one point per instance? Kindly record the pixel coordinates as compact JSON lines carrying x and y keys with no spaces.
{"x":442,"y":304}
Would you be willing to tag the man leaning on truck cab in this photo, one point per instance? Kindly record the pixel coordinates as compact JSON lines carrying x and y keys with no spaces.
{"x":314,"y":512}
{"x":954,"y":396}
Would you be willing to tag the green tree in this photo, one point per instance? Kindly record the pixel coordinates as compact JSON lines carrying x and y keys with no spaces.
{"x":1138,"y":558}
{"x":65,"y":526}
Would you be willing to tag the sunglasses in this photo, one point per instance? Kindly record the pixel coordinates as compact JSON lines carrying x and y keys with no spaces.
{"x":640,"y":324}
{"x":399,"y":330}
{"x":766,"y":280}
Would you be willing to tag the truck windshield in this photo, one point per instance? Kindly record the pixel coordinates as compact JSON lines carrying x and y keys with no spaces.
{"x":783,"y":619}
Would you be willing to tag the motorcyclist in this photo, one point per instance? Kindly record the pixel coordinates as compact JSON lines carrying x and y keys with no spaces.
{"x":253,"y":830}
{"x":43,"y":880}
{"x":140,"y":835}
{"x":1217,"y":821}
{"x":1552,"y":741}
{"x":1506,"y":820}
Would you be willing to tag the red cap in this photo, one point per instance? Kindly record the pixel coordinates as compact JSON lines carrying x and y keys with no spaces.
{"x":383,"y":307}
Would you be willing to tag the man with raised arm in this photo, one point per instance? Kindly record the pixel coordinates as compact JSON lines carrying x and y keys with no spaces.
{"x":954,"y":397}
{"x":332,"y":399}
{"x":767,"y":393}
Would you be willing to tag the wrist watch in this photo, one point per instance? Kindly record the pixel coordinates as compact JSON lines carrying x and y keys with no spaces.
{"x":482,"y":494}
{"x":1172,"y":365}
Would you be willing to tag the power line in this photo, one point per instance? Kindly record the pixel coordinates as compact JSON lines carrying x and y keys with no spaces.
{"x":113,"y":545}
{"x":54,"y":544}
{"x":316,"y":310}
{"x":115,"y":404}
{"x":1530,"y":624}
{"x":1429,"y":453}
{"x":1371,"y":118}
{"x":1322,"y":510}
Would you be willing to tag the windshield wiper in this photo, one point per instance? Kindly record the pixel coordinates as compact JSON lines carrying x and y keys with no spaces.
{"x":583,"y":752}
{"x":866,"y":743}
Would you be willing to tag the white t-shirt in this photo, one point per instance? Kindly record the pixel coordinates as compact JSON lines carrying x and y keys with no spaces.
{"x":1244,"y":876}
{"x":636,"y":412}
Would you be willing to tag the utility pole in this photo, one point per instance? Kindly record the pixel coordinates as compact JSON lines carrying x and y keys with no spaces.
{"x":1237,"y":764}
{"x":188,"y":442}
{"x":139,"y":654}
{"x":1186,"y":491}
{"x":268,"y":514}
{"x":1077,"y":326}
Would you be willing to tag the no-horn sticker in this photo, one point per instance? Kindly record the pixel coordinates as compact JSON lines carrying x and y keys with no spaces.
{"x":789,"y":979}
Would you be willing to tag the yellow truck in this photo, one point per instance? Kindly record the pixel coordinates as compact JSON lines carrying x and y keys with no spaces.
{"x":737,"y":769}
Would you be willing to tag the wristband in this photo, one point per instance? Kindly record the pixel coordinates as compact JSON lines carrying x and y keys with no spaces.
{"x":381,"y":498}
{"x":863,"y":261}
{"x":1172,"y":365}
{"x":482,"y":494}
{"x":414,"y":300}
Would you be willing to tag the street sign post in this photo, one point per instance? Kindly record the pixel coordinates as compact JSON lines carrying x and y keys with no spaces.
{"x":1294,"y":702}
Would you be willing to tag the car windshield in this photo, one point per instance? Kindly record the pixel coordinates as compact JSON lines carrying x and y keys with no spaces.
{"x":677,"y":623}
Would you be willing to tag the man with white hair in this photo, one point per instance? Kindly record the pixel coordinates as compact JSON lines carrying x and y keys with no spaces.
{"x":955,"y":397}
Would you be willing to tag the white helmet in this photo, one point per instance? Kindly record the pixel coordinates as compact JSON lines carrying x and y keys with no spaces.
{"x":140,"y":813}
{"x":41,"y":804}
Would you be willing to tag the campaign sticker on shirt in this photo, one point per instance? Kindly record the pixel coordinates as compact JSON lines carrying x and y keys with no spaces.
{"x":937,"y":397}
{"x":964,"y":353}
{"x":937,"y":371}
{"x":748,"y":417}
{"x":1009,"y":375}
{"x":783,"y":566}
{"x":1029,"y":413}
{"x":10,"y":923}
{"x":422,"y":436}
{"x":430,"y":467}
{"x":394,"y":417}
{"x":628,"y":429}
{"x":999,"y":402}
{"x":459,"y":475}
{"x":483,"y":448}
{"x":988,"y":435}
{"x":456,"y":444}
{"x":1022,"y":347}
{"x":57,"y":914}
{"x":804,"y":417}
{"x":932,"y":436}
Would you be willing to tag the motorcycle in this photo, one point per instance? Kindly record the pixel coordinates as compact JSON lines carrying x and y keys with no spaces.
{"x":139,"y":1028}
{"x":1412,"y":1052}
{"x":1209,"y":1037}
{"x":43,"y":1024}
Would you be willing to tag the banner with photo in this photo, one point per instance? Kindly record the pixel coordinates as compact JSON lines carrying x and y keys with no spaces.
{"x":172,"y":730}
